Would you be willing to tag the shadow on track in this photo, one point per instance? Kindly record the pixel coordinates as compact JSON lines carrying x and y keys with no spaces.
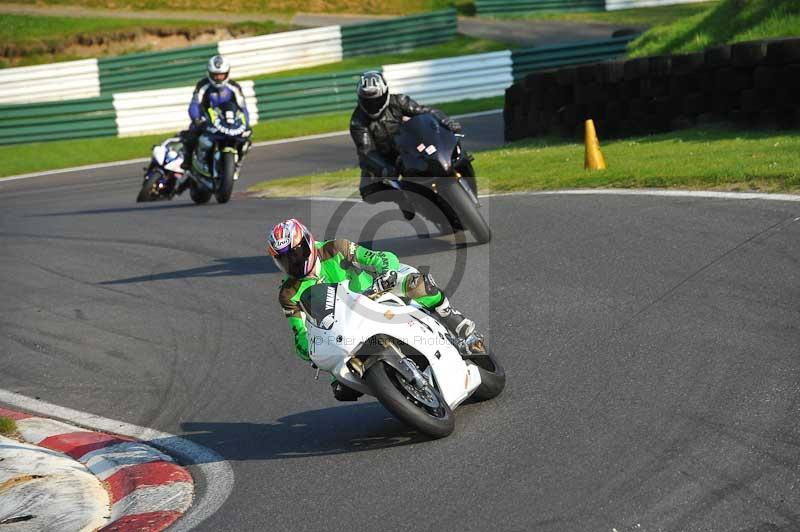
{"x":411,"y":246}
{"x":111,"y":210}
{"x":228,"y":267}
{"x":335,"y":430}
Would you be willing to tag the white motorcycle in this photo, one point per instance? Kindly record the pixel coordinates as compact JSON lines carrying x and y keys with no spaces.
{"x":164,"y":177}
{"x":399,"y":352}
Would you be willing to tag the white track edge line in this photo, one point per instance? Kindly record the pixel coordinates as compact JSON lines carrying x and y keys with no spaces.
{"x":74,"y":169}
{"x":216,"y":471}
{"x":711,"y":194}
{"x":256,"y":145}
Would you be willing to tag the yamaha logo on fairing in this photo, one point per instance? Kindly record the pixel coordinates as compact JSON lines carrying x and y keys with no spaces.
{"x":327,"y":322}
{"x":330,"y":298}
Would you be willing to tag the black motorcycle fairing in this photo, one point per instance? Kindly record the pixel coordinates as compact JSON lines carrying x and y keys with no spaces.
{"x":425,"y":147}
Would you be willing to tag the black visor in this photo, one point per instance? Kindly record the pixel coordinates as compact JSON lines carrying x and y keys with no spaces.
{"x":294,"y":260}
{"x":374,"y":105}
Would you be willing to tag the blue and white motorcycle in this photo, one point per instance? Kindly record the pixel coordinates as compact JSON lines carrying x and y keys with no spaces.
{"x":163,"y":177}
{"x":215,"y":162}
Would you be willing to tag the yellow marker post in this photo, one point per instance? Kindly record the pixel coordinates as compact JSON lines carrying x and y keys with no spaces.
{"x":593,"y":160}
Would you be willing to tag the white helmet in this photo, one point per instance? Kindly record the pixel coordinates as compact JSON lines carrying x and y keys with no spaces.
{"x":373,"y":93}
{"x":218,"y":71}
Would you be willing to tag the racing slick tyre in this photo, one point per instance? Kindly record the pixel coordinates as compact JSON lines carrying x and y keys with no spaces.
{"x":199,"y":195}
{"x":226,"y":181}
{"x":468,"y":173}
{"x":425,"y":410}
{"x":149,"y":188}
{"x":493,"y":376}
{"x":468,"y":214}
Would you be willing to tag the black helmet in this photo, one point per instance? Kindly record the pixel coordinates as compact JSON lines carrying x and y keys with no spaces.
{"x":373,"y":93}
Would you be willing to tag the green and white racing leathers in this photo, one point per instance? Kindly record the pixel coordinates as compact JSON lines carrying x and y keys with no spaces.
{"x":342,"y":259}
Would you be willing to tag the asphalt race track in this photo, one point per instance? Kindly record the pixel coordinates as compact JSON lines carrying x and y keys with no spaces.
{"x":651,"y":345}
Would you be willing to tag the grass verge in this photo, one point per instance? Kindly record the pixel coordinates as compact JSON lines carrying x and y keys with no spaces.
{"x":645,"y":16}
{"x":373,"y":7}
{"x":41,"y":156}
{"x":714,"y":158}
{"x":460,"y":45}
{"x":29,"y":39}
{"x":728,"y":21}
{"x":7,"y":426}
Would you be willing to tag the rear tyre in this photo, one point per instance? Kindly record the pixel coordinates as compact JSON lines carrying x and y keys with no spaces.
{"x":468,"y":214}
{"x":149,"y":191}
{"x":493,"y":377}
{"x":434,"y":419}
{"x":226,"y":182}
{"x":199,"y":194}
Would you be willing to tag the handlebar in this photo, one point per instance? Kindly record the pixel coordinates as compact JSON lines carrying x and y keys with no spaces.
{"x":390,"y":280}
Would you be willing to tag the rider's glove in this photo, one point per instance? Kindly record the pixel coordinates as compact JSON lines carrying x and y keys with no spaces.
{"x":452,"y":125}
{"x":199,"y":122}
{"x":385,"y":282}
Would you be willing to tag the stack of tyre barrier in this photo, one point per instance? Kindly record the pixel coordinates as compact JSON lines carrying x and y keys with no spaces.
{"x":752,"y":84}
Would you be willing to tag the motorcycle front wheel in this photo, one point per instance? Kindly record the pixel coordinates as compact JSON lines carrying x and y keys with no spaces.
{"x":226,"y":178}
{"x":423,"y":409}
{"x":468,"y":214}
{"x":149,"y":190}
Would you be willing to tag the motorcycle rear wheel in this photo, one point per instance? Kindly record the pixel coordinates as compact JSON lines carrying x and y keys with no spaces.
{"x":199,"y":194}
{"x":493,"y":376}
{"x":391,"y":390}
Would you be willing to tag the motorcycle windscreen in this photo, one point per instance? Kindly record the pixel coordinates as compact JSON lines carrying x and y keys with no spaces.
{"x":319,"y":304}
{"x":425,"y":147}
{"x":228,"y":118}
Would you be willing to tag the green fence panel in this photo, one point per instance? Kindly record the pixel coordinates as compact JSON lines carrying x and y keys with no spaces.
{"x":530,"y":60}
{"x":507,"y":7}
{"x":50,"y":109}
{"x":92,"y":117}
{"x":305,"y":95}
{"x":399,"y":35}
{"x":151,"y":70}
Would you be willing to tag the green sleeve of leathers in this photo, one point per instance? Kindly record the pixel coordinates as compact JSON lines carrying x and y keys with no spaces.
{"x":380,"y":261}
{"x":300,"y":338}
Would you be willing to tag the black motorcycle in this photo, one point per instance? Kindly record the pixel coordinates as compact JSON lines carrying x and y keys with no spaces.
{"x":221,"y":147}
{"x":437,"y":178}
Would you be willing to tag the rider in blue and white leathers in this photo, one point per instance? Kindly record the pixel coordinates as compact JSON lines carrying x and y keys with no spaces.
{"x":215,"y":90}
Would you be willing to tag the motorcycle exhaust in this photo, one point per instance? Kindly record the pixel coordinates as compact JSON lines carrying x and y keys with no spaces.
{"x":356,"y":366}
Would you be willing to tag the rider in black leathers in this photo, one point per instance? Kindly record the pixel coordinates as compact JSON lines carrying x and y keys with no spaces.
{"x":375,"y":122}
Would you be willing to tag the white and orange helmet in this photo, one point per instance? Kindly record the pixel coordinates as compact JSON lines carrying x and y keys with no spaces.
{"x":291,"y":246}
